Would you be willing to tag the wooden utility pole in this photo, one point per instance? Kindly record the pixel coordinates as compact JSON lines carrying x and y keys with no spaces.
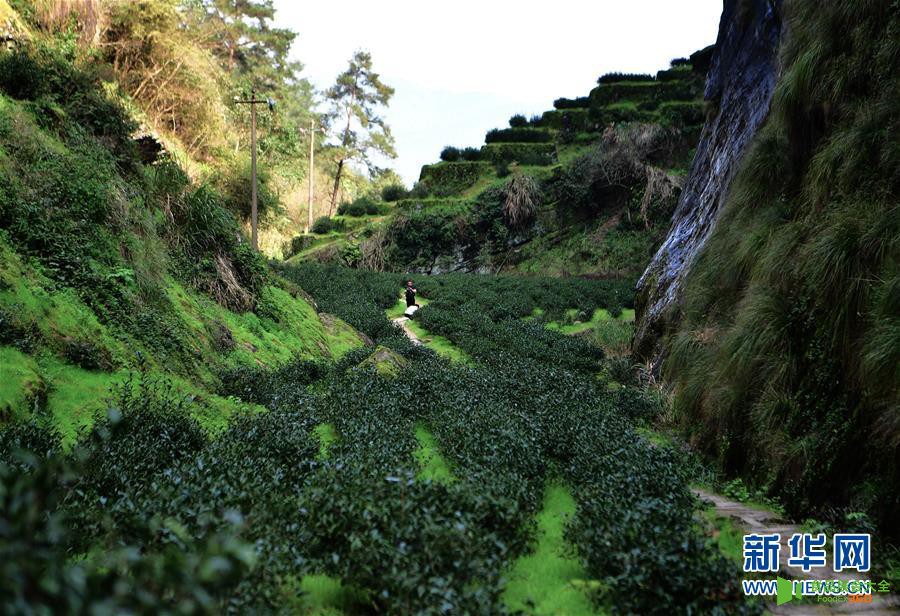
{"x":311,"y":132}
{"x":311,"y":173}
{"x":254,"y":216}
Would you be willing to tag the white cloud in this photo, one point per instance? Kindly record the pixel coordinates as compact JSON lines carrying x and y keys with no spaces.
{"x":463,"y":67}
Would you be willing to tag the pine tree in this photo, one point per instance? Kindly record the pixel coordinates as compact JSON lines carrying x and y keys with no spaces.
{"x":355,"y":99}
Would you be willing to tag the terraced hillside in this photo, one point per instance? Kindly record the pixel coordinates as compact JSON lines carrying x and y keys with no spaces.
{"x":585,"y":188}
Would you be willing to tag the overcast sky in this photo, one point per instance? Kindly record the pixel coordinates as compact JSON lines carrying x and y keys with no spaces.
{"x":463,"y":67}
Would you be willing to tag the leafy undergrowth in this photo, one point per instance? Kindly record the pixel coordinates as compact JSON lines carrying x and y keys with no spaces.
{"x":550,"y":579}
{"x":727,"y":535}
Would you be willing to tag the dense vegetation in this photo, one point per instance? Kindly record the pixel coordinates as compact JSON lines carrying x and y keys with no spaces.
{"x":272,"y":504}
{"x":178,"y":66}
{"x":108,"y":261}
{"x":188,"y":428}
{"x":785,"y":365}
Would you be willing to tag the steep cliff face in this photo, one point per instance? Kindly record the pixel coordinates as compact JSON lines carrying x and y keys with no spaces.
{"x":739,"y":88}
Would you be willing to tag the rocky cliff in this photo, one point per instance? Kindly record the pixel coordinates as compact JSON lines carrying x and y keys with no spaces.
{"x":739,"y":90}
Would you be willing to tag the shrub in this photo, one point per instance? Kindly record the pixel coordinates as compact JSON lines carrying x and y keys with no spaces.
{"x":623,"y":77}
{"x":676,"y":62}
{"x":471,"y":154}
{"x":569,"y":103}
{"x":324,"y":224}
{"x":362,"y":206}
{"x":518,"y":135}
{"x":518,"y":121}
{"x":682,"y":113}
{"x":450,"y":154}
{"x":449,"y":179}
{"x":521,"y":153}
{"x":568,"y":119}
{"x":394,"y":192}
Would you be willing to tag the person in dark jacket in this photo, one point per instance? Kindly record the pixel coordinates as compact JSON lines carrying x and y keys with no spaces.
{"x":410,"y":294}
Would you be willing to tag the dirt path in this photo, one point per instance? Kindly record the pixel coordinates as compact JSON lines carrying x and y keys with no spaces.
{"x":755,"y":520}
{"x":401,"y":321}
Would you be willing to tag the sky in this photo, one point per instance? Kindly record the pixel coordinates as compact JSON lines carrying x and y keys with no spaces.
{"x":463,"y":67}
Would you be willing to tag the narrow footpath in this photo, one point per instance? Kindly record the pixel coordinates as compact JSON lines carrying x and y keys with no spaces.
{"x":402,"y":322}
{"x":757,"y":520}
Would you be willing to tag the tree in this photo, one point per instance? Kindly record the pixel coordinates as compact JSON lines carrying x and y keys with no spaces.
{"x":355,"y":98}
{"x":240,"y":35}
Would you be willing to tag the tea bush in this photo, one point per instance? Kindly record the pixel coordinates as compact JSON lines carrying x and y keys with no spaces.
{"x":518,"y":121}
{"x":394,"y":192}
{"x":450,"y":154}
{"x":363,"y":206}
{"x":518,"y":135}
{"x":621,"y":77}
{"x":451,"y":178}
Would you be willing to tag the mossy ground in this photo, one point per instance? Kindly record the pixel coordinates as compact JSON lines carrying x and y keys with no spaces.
{"x":328,"y":436}
{"x":432,"y":465}
{"x":550,"y":580}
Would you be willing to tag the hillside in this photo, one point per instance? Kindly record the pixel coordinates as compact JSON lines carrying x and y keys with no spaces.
{"x":109,"y":265}
{"x":586,"y":188}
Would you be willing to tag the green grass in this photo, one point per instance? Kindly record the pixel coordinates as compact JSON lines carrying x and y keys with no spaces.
{"x":440,"y":345}
{"x":613,"y":334}
{"x":550,"y":580}
{"x":327,"y":435}
{"x":432,"y":465}
{"x":75,"y":396}
{"x":20,"y":384}
{"x":600,"y":315}
{"x":726,"y":534}
{"x":324,"y":595}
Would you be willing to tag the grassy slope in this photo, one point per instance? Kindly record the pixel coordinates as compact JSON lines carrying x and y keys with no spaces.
{"x":49,"y":322}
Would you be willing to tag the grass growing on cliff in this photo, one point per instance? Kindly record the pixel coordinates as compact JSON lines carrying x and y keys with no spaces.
{"x":786,"y":363}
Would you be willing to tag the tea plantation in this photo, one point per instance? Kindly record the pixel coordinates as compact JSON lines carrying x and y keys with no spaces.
{"x":353,"y":490}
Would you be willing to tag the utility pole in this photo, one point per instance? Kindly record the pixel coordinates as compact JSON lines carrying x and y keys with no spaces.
{"x":311,"y":131}
{"x":254,"y":216}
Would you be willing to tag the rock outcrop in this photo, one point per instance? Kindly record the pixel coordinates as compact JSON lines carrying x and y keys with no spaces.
{"x":739,"y":88}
